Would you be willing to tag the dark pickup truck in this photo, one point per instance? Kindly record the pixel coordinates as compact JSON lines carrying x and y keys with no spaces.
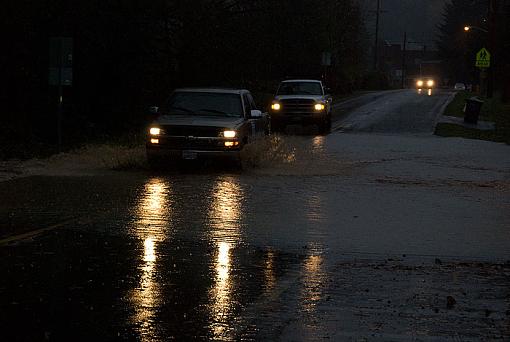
{"x":200,"y":123}
{"x":301,"y":102}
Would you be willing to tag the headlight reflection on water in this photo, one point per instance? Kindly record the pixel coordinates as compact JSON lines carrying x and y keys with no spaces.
{"x":151,"y":223}
{"x":318,"y":143}
{"x":225,"y":218}
{"x":269,"y":272}
{"x":314,"y":279}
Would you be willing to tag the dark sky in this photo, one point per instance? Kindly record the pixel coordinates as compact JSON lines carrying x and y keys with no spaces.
{"x":418,"y":17}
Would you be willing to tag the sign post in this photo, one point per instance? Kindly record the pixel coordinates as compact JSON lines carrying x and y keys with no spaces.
{"x":60,"y":74}
{"x":483,"y":58}
{"x":326,"y":63}
{"x":483,"y":61}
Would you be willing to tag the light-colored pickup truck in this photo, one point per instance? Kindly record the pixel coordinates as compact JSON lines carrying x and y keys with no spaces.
{"x":204,"y":123}
{"x":301,"y":102}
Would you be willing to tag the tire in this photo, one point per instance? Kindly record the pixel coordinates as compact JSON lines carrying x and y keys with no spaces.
{"x":328,"y":124}
{"x":237,"y":164}
{"x":324,"y":125}
{"x":154,"y":162}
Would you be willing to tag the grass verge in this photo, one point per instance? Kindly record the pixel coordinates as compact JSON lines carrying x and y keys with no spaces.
{"x":492,"y":110}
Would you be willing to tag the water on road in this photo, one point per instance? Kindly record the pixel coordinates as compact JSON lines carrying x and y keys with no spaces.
{"x":350,"y":236}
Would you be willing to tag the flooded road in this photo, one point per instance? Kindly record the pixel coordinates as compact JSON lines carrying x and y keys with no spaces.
{"x":350,"y":236}
{"x":395,"y":112}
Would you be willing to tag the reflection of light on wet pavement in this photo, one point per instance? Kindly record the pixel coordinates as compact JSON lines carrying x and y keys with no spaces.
{"x":150,"y":250}
{"x":430,"y":92}
{"x":269,"y":272}
{"x":152,"y":213}
{"x":222,"y":291}
{"x":223,"y":262}
{"x":147,"y":294}
{"x":314,"y":279}
{"x":150,"y":227}
{"x":225,"y":210}
{"x":224,"y":216}
{"x":291,"y":156}
{"x":318,"y":143}
{"x":315,"y":212}
{"x":313,"y":274}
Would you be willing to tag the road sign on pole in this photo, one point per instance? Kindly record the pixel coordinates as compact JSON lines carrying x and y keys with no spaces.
{"x":61,"y":61}
{"x":60,"y":74}
{"x":326,"y":58}
{"x":483,"y":58}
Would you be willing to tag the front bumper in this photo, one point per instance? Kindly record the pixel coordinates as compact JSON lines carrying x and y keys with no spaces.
{"x":298,"y":118}
{"x":165,"y":153}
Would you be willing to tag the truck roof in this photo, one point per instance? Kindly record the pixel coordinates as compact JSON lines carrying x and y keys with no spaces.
{"x":212,"y":90}
{"x":301,"y":80}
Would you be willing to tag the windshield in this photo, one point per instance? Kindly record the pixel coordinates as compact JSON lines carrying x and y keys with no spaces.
{"x":300,"y":88}
{"x":201,"y":103}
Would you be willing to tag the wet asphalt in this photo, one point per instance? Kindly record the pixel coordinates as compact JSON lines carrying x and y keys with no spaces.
{"x":326,"y":241}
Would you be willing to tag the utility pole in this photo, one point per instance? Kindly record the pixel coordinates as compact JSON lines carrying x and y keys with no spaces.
{"x":376,"y":47}
{"x":492,"y":46}
{"x":404,"y":60}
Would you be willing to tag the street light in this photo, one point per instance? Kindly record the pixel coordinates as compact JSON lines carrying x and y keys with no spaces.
{"x":470,"y":27}
{"x":483,"y":73}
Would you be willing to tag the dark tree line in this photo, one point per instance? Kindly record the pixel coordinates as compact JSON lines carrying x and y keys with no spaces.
{"x":457,"y":47}
{"x":129,"y":54}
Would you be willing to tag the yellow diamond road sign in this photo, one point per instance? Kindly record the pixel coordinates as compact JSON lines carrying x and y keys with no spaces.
{"x":483,"y":58}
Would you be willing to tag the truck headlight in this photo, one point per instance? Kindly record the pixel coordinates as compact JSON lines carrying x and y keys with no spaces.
{"x":276,"y":106}
{"x":155,"y":131}
{"x":430,"y":83}
{"x":229,"y":134}
{"x":419,"y":83}
{"x":319,"y":106}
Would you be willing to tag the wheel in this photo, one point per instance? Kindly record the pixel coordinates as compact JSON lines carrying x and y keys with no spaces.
{"x":155,"y":163}
{"x":235,"y":163}
{"x":324,"y":125}
{"x":328,"y":124}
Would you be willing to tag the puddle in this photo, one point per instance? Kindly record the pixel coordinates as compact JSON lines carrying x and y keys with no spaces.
{"x":104,"y":287}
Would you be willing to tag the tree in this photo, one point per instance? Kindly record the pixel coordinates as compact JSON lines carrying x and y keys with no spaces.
{"x":457,"y":48}
{"x":130,"y":54}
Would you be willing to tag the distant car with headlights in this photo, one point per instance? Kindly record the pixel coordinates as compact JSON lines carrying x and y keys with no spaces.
{"x":197,"y":123}
{"x":301,"y":102}
{"x":425,"y":83}
{"x":459,"y":86}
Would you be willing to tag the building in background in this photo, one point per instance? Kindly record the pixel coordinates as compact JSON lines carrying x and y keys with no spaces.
{"x":420,"y":60}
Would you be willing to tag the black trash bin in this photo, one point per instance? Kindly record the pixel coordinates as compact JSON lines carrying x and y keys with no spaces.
{"x":472,"y":110}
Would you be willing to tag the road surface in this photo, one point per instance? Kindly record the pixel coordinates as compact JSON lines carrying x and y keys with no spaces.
{"x":379,"y":231}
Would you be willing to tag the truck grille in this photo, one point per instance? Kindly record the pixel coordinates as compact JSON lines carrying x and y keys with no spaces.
{"x":182,"y":143}
{"x":298,"y":106}
{"x":191,"y":131}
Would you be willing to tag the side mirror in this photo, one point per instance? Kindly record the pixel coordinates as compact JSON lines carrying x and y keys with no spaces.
{"x":154,"y":110}
{"x":255,"y":113}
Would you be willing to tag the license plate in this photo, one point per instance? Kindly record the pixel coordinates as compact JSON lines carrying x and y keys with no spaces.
{"x":189,"y":155}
